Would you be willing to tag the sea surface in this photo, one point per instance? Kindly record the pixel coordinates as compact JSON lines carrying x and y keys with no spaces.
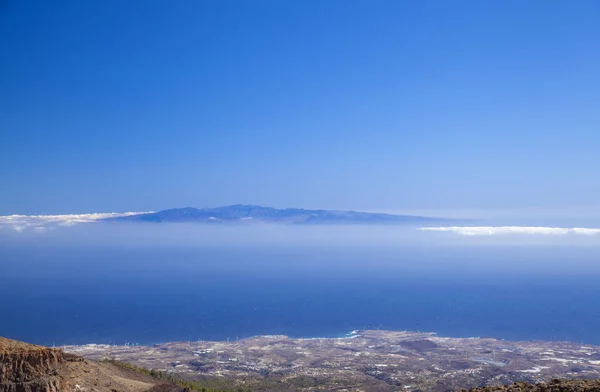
{"x":118,"y":292}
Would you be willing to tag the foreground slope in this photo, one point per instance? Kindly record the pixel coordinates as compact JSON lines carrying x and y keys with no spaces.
{"x":29,"y":368}
{"x":552,"y":386}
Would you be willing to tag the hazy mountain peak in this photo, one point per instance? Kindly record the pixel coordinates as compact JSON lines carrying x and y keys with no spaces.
{"x":243,"y":213}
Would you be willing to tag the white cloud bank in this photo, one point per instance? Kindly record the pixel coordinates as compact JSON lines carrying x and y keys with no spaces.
{"x":42,"y":222}
{"x":513,"y":230}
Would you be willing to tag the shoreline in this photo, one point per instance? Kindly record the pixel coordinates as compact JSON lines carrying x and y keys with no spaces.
{"x":343,"y":336}
{"x":363,"y":358}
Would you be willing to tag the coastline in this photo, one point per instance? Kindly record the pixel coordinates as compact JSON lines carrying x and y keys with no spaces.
{"x":422,"y":360}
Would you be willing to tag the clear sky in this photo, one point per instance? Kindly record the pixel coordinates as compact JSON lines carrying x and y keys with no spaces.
{"x":141,"y":105}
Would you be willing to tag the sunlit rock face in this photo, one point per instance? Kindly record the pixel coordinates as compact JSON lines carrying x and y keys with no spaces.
{"x":28,"y":368}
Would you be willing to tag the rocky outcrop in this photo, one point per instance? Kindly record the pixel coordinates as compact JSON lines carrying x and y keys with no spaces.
{"x":552,"y":386}
{"x":28,"y":368}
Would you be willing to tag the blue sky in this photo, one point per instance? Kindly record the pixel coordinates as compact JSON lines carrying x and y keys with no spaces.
{"x":144,"y":105}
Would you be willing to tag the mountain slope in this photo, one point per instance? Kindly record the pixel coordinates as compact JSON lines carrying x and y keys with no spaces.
{"x":257,"y":214}
{"x":556,"y":385}
{"x":29,"y":368}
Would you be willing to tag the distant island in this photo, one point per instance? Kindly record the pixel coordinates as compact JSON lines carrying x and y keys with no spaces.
{"x":248,"y":214}
{"x":239,"y":214}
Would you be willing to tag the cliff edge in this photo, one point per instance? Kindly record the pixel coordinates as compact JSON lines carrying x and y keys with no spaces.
{"x":30,"y":368}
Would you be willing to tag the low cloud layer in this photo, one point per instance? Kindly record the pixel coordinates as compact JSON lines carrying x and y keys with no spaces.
{"x":42,"y":222}
{"x":513,"y":230}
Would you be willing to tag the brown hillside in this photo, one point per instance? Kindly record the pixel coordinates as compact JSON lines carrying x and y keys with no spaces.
{"x":29,"y":368}
{"x":553,"y":386}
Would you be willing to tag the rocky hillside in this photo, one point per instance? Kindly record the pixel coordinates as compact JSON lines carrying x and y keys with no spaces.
{"x":553,"y":386}
{"x":29,"y":368}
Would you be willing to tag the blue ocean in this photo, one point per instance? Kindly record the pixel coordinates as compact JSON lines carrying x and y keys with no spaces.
{"x":60,"y":291}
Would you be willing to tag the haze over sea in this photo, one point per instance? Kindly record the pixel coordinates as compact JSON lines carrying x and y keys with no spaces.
{"x":144,"y":283}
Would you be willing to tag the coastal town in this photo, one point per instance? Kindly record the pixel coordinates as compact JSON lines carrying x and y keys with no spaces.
{"x":371,"y":360}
